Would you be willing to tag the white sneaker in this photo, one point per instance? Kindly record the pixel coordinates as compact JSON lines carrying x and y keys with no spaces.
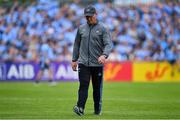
{"x":52,"y":83}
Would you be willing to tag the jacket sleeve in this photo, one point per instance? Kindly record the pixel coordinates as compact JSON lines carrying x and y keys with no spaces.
{"x":107,"y":41}
{"x":76,"y":47}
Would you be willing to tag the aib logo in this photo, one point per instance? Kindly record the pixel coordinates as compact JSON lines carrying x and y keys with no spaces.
{"x":2,"y":72}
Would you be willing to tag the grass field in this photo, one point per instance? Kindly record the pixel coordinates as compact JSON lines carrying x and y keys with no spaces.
{"x":120,"y":101}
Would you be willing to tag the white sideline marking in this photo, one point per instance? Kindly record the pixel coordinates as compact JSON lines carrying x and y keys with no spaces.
{"x":143,"y":100}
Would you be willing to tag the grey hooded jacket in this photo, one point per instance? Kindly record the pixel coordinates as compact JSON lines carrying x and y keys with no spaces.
{"x":91,"y":42}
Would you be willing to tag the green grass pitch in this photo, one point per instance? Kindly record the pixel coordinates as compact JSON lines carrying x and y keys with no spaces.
{"x":120,"y":101}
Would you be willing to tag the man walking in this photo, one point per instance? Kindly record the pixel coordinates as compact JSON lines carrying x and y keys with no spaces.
{"x":92,"y":46}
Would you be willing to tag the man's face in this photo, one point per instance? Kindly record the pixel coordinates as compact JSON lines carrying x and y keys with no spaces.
{"x":91,"y":19}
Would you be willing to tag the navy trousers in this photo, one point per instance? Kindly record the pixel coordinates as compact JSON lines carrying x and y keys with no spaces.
{"x":85,"y":74}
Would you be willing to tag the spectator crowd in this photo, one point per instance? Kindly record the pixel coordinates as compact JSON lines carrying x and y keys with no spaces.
{"x":143,"y":32}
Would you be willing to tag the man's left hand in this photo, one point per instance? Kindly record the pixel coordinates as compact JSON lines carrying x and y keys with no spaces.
{"x":102,"y":59}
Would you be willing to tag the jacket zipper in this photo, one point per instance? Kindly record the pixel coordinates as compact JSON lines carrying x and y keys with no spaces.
{"x":88,"y":44}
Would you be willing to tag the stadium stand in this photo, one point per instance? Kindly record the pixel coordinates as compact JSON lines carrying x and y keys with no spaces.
{"x":140,"y":32}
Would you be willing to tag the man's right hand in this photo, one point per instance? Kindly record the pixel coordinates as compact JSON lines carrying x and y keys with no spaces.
{"x":74,"y":66}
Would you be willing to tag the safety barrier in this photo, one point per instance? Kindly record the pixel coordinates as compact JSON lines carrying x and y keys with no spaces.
{"x":113,"y":71}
